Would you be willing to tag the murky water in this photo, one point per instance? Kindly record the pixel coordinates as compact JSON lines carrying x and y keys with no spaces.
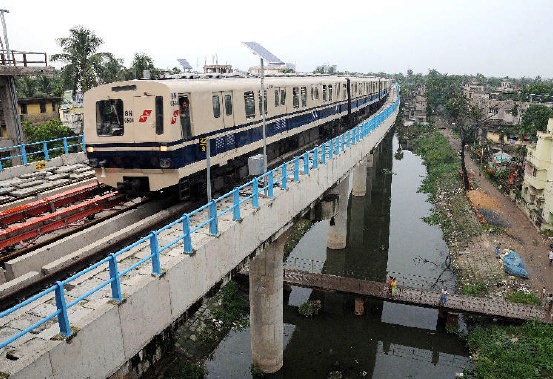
{"x":386,"y":236}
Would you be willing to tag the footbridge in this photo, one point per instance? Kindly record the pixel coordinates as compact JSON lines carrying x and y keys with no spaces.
{"x":108,"y":319}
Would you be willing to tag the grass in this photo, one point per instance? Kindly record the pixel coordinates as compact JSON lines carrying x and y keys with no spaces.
{"x":523,"y":297}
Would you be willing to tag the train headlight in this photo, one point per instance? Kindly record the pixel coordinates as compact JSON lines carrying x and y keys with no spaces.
{"x":163,"y":148}
{"x":165,"y":162}
{"x":89,"y":149}
{"x":93,"y":162}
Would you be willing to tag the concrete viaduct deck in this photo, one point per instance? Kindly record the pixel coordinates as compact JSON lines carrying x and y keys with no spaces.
{"x":417,"y":296}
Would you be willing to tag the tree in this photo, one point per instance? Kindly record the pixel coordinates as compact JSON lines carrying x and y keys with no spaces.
{"x":80,"y":53}
{"x":140,"y":63}
{"x":535,"y":119}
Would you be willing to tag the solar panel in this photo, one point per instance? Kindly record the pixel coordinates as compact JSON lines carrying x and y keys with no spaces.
{"x":184,"y":63}
{"x":263,"y":53}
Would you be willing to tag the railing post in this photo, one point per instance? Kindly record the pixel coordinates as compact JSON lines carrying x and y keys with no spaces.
{"x":23,"y":154}
{"x":316,"y":157}
{"x":63,"y":319}
{"x":154,"y":249}
{"x":65,"y":147}
{"x":1,"y":167}
{"x":255,"y":193}
{"x":114,"y":279}
{"x":343,"y":141}
{"x":82,"y":143}
{"x":337,"y":145}
{"x":213,"y":229}
{"x":45,"y":151}
{"x":349,"y":139}
{"x":306,"y":163}
{"x":284,"y":177}
{"x":187,"y":240}
{"x":270,"y":184}
{"x":236,"y":204}
{"x":296,"y":168}
{"x":323,"y":153}
{"x":330,"y":149}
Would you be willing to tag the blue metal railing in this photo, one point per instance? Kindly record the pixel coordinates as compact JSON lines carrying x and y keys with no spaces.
{"x":40,"y":150}
{"x":209,"y":215}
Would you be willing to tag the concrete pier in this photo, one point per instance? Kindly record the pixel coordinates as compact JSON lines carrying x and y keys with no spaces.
{"x":338,"y":230}
{"x":360,"y":179}
{"x":266,"y":307}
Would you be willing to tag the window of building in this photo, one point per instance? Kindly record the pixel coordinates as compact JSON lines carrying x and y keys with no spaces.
{"x":109,"y":117}
{"x":216,"y":106}
{"x":23,"y":108}
{"x":42,"y":105}
{"x":303,"y":95}
{"x":249,"y":104}
{"x":228,"y":105}
{"x":53,"y":107}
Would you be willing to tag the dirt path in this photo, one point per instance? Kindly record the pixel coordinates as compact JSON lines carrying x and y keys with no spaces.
{"x":521,"y":235}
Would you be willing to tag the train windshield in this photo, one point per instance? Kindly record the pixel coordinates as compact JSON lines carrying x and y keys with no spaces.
{"x":109,"y":117}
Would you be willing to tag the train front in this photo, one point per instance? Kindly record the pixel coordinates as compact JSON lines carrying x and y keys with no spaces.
{"x":130,"y":135}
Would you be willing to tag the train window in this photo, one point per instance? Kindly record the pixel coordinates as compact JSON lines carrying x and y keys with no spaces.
{"x":283,"y":96}
{"x":109,"y":117}
{"x":324,"y":92}
{"x":338,"y":91}
{"x":295,"y":97}
{"x":277,"y":103}
{"x":315,"y":93}
{"x":303,"y":94}
{"x":159,"y":114}
{"x":345,"y":91}
{"x":330,"y":92}
{"x":216,"y":106}
{"x":265,"y":102}
{"x":228,"y":105}
{"x":249,"y":104}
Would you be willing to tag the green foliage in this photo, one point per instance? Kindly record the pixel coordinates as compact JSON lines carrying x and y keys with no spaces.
{"x":310,"y":308}
{"x":523,"y":297}
{"x":477,"y":289}
{"x":190,"y":371}
{"x":233,"y":306}
{"x":256,"y":371}
{"x":535,"y":119}
{"x":513,"y":351}
{"x":47,"y":131}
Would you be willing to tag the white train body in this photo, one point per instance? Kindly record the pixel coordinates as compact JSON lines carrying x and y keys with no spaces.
{"x":136,"y":142}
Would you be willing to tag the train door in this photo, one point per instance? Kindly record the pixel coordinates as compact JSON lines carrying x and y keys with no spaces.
{"x":184,"y":119}
{"x":148,"y":118}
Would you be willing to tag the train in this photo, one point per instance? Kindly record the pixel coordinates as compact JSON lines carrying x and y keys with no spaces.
{"x":151,"y":136}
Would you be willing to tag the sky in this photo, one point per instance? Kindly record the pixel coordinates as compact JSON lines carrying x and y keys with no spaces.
{"x":493,"y":37}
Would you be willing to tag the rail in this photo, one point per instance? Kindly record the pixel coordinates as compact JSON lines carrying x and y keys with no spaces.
{"x":37,"y":151}
{"x":22,"y":58}
{"x":207,"y":216}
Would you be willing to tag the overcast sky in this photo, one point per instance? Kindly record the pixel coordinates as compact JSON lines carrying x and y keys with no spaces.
{"x":493,"y":37}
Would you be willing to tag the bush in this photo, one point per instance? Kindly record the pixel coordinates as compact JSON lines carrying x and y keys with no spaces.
{"x":47,"y":131}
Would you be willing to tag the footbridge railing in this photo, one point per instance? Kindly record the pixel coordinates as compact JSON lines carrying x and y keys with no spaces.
{"x":204,"y":218}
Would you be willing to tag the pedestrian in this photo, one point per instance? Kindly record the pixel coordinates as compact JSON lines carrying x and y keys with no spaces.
{"x":550,"y":256}
{"x":394,"y":287}
{"x":389,"y":289}
{"x":542,"y":297}
{"x":549,"y":302}
{"x":498,"y":250}
{"x":443,"y":297}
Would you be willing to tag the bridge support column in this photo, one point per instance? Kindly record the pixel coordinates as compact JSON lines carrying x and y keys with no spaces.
{"x":266,"y":308}
{"x":360,"y":179}
{"x":338,"y":230}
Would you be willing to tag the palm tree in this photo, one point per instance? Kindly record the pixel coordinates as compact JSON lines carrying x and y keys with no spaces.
{"x":140,"y":63}
{"x":83,"y":60}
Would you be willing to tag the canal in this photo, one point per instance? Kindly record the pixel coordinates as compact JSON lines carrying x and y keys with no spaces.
{"x":386,"y":236}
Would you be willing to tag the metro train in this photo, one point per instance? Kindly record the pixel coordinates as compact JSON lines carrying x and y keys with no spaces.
{"x":141,"y":141}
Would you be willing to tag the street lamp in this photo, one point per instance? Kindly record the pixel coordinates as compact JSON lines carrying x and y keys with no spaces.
{"x":263,"y":54}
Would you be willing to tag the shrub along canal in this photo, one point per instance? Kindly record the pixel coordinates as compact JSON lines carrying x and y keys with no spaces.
{"x":386,"y":236}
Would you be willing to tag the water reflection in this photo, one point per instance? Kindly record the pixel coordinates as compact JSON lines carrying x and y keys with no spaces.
{"x":386,"y":235}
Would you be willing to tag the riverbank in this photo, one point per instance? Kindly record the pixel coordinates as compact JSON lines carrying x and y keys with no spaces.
{"x":518,"y":351}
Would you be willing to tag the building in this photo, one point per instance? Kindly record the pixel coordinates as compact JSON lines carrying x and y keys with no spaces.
{"x":39,"y":109}
{"x":537,"y":187}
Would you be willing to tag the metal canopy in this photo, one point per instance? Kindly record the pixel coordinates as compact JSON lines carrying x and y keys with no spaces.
{"x":184,"y":63}
{"x":263,"y":53}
